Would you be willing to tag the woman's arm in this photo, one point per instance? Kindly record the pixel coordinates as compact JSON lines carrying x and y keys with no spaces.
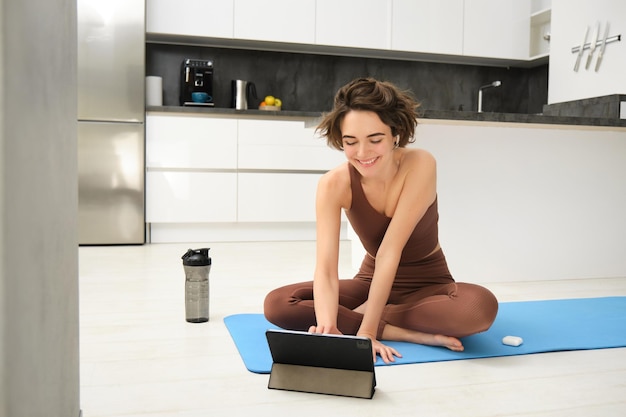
{"x":331,"y":194}
{"x":418,"y":193}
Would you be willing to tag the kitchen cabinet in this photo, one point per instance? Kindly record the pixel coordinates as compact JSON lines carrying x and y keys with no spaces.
{"x":206,"y":170}
{"x":204,"y":18}
{"x":497,"y":29}
{"x":283,"y":144}
{"x":263,"y":20}
{"x":354,"y":23}
{"x":429,"y":26}
{"x":182,"y":155}
{"x":467,"y":31}
{"x":277,"y":197}
{"x":191,"y":197}
{"x":287,"y":159}
{"x":540,"y":28}
{"x":191,"y":142}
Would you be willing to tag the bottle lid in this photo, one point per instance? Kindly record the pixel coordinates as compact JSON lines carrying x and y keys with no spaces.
{"x":197,"y":257}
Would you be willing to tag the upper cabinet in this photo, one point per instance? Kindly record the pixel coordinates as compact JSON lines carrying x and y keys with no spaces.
{"x":471,"y":31}
{"x":429,"y":26}
{"x":540,"y":28}
{"x":204,"y":18}
{"x":353,"y":23}
{"x":275,"y":20}
{"x":497,"y":29}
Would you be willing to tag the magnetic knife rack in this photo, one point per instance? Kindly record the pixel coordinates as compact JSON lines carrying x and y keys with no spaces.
{"x":611,"y":39}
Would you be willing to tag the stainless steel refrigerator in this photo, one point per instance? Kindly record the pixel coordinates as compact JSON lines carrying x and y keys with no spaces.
{"x":111,"y":115}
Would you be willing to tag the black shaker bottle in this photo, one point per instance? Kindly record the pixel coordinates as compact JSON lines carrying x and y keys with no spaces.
{"x":197,"y":265}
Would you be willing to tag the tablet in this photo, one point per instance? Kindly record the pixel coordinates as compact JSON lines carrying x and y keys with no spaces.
{"x":321,"y":363}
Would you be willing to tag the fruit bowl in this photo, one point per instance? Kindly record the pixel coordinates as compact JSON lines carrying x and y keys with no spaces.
{"x":269,"y":108}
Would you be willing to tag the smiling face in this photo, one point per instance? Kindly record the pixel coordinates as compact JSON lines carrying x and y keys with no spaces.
{"x":367,"y":142}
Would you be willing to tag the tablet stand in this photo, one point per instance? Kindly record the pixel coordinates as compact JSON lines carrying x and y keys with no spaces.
{"x":344,"y":382}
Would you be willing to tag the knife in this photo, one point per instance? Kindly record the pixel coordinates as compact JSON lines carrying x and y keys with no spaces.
{"x":601,"y":53}
{"x":594,"y":40}
{"x":581,"y":49}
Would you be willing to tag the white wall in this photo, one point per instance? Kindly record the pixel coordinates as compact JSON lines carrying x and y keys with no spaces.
{"x":529,"y":202}
{"x":39,"y":360}
{"x":569,"y":19}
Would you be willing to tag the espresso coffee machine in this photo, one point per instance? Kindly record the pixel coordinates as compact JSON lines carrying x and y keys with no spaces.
{"x":196,"y":77}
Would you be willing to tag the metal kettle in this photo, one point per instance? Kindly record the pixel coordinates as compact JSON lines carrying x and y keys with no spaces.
{"x":242,"y":93}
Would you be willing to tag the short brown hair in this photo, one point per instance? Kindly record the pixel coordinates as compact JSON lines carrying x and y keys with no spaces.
{"x":396,"y":108}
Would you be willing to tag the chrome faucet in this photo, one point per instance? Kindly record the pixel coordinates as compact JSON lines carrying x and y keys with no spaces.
{"x":480,"y":93}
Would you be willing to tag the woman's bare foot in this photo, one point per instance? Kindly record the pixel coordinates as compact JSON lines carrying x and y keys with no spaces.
{"x":391,"y":332}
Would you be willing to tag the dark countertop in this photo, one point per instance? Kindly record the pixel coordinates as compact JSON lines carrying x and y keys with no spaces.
{"x":222,"y":111}
{"x":605,"y":106}
{"x":523,"y":118}
{"x":426,"y":114}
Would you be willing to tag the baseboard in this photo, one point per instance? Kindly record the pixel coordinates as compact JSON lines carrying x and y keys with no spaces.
{"x":232,"y":232}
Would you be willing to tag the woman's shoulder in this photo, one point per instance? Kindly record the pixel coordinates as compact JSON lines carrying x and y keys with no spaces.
{"x":336,"y":183}
{"x":418,"y":153}
{"x":416,"y":157}
{"x":338,"y":175}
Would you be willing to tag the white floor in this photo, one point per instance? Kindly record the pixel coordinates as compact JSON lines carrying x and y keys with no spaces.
{"x":140,"y":358}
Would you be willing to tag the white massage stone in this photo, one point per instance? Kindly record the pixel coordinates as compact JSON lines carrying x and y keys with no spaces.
{"x":512,"y":340}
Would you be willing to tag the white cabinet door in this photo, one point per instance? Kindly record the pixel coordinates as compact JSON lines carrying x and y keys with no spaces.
{"x":430,"y":26}
{"x":190,"y":142}
{"x":283,"y":144}
{"x":180,"y":152}
{"x":354,"y":23}
{"x":207,"y":18}
{"x":270,"y":197}
{"x":497,"y":29}
{"x":275,"y":20}
{"x":191,"y":197}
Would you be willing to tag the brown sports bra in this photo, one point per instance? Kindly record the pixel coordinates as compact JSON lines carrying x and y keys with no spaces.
{"x":371,"y":226}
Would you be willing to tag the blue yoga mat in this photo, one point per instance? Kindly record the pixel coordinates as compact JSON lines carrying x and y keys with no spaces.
{"x":545,"y":326}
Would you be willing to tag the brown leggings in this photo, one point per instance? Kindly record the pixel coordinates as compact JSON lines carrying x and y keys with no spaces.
{"x":452,"y":309}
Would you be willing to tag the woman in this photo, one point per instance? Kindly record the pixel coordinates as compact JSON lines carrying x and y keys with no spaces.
{"x":403,"y":290}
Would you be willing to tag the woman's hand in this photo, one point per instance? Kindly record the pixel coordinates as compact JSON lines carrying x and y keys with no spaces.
{"x":324,"y":329}
{"x":385,"y":352}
